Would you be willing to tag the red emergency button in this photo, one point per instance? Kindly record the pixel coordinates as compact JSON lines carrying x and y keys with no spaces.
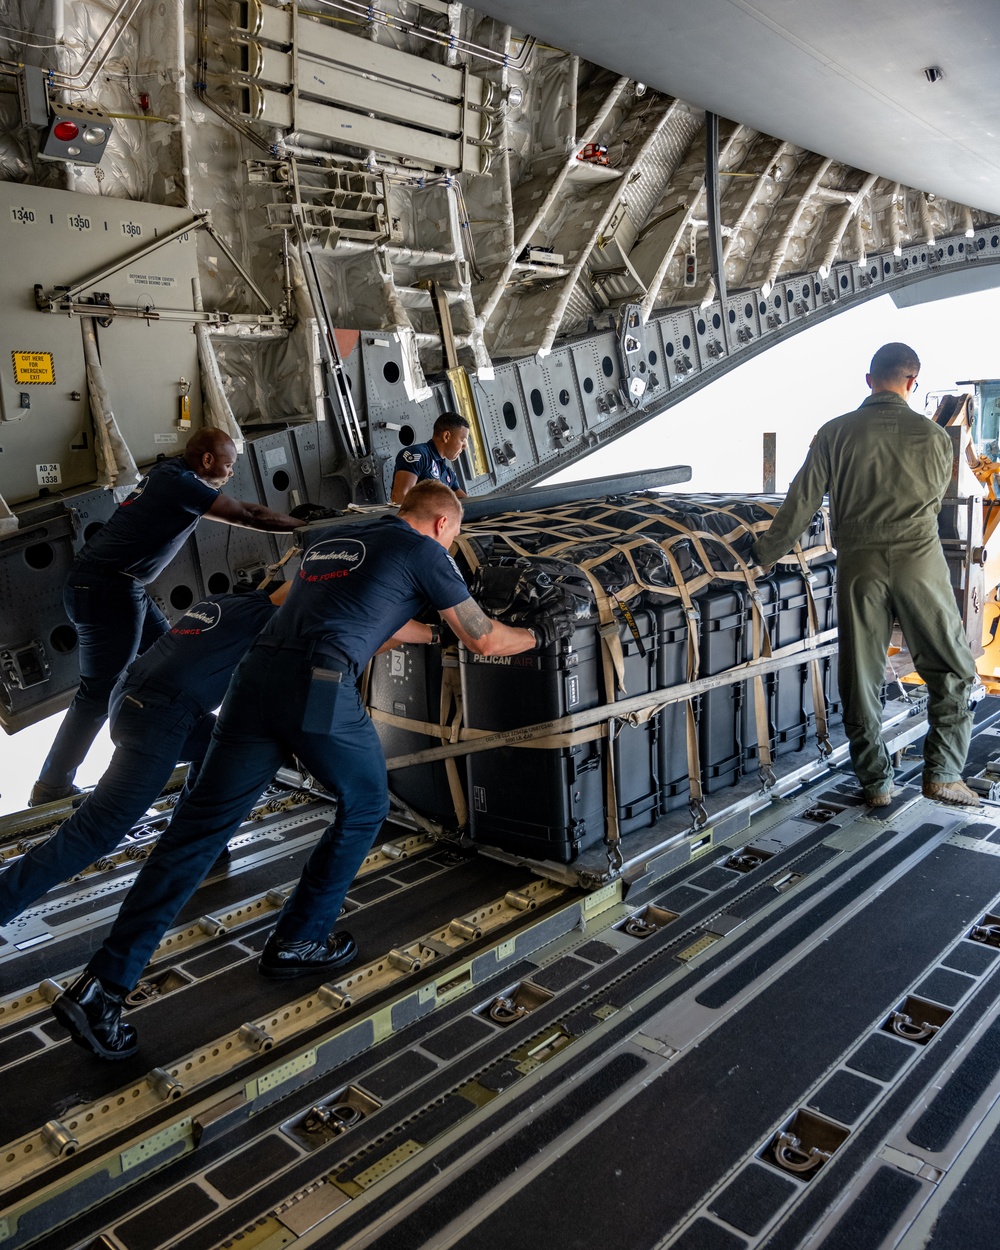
{"x":65,"y":131}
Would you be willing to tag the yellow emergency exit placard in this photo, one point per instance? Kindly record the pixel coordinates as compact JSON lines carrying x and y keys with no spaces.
{"x":33,"y":368}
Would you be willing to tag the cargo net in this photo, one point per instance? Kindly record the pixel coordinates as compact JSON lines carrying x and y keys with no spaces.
{"x":686,"y":671}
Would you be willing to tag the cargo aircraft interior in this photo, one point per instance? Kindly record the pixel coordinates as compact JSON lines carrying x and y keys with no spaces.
{"x":638,"y":967}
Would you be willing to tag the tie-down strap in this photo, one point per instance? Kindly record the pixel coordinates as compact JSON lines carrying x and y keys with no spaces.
{"x":561,"y":731}
{"x":563,"y":529}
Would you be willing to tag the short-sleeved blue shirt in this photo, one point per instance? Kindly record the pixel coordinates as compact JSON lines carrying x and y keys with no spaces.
{"x":147,"y":529}
{"x":359,"y":583}
{"x":198,"y":655}
{"x":426,"y":461}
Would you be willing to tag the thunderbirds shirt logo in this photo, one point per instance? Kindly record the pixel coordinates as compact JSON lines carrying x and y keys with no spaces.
{"x":335,"y":557}
{"x":199,"y":620}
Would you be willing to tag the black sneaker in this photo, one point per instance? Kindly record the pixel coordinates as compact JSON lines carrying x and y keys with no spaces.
{"x":41,"y":793}
{"x":93,"y":1016}
{"x":281,"y":958}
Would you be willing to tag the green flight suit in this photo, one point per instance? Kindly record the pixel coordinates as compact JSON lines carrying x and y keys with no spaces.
{"x":886,"y":469}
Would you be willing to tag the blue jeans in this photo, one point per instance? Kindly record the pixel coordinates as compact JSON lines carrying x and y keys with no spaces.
{"x":149,"y":737}
{"x":115,"y":620}
{"x":275,"y":708}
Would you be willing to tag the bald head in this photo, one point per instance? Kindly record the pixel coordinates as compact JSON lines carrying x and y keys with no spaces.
{"x":211,"y":453}
{"x":434,"y":509}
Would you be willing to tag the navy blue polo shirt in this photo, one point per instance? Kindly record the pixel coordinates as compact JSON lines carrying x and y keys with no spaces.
{"x":197,"y":657}
{"x":359,"y":583}
{"x":426,"y":461}
{"x":147,"y":529}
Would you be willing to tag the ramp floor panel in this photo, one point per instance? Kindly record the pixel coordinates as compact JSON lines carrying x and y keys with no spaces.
{"x":195,"y":1014}
{"x":759,"y":1064}
{"x":632,"y":1100}
{"x":970,"y":1216}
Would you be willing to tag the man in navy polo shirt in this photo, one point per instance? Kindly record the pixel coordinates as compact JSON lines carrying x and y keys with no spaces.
{"x":161,"y":712}
{"x":105,"y":594}
{"x":432,"y":461}
{"x":359,"y":586}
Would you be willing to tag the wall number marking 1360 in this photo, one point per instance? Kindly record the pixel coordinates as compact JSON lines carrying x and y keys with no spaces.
{"x":78,"y":222}
{"x":131,"y":229}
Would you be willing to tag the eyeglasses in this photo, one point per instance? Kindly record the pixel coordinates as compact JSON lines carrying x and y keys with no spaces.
{"x":913,"y":378}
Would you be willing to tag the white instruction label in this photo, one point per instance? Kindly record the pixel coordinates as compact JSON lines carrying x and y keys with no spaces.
{"x":151,"y":281}
{"x":49,"y":474}
{"x":276,"y":457}
{"x":164,"y":438}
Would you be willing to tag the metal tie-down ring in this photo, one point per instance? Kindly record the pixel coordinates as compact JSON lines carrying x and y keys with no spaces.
{"x":904,"y":1026}
{"x":336,"y":1119}
{"x":789,"y":1154}
{"x":638,"y":927}
{"x":505,"y":1011}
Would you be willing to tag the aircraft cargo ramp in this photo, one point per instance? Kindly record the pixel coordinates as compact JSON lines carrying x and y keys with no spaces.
{"x":779,"y":1030}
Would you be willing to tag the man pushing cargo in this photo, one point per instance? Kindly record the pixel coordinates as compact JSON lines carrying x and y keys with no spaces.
{"x":105,"y":595}
{"x":886,"y":469}
{"x":161,"y":712}
{"x":295,"y":692}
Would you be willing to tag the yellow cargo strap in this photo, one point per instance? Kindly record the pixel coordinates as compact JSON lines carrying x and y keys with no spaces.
{"x":546,"y":741}
{"x":592,"y":724}
{"x":271,"y":569}
{"x":451,"y":697}
{"x":565,"y":532}
{"x":696,"y":795}
{"x":468,"y":550}
{"x":613,"y":670}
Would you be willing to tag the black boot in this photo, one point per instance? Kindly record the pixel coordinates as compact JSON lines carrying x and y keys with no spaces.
{"x":282,"y":958}
{"x":41,"y":793}
{"x":92,"y":1015}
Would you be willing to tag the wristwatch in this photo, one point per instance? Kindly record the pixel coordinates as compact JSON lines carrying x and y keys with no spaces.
{"x":435,"y":635}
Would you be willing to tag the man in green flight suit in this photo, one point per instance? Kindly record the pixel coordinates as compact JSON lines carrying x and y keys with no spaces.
{"x":886,"y":469}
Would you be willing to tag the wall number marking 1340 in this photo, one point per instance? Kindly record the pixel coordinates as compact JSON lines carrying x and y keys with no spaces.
{"x":26,"y":216}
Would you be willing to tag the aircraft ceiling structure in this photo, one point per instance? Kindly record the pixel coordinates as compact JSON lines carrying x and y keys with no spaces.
{"x":836,"y":150}
{"x":904,"y":88}
{"x":480,"y":195}
{"x":565,"y":249}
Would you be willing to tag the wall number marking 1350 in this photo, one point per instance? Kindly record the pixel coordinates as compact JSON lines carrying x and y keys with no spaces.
{"x":78,"y":222}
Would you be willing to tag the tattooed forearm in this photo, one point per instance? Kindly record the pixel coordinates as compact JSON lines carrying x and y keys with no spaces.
{"x":473,"y":619}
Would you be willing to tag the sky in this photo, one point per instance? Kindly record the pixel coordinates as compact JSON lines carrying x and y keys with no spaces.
{"x":793,"y":388}
{"x":790,"y":389}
